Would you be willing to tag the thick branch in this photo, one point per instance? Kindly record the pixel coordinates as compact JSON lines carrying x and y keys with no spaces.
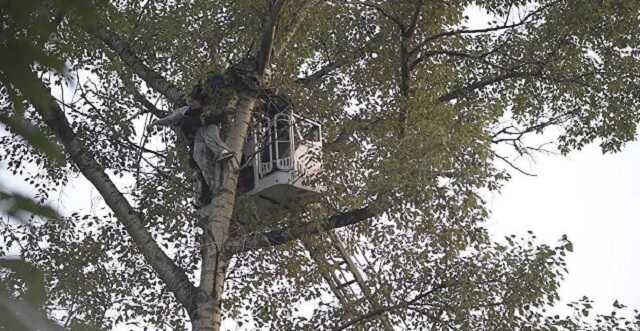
{"x":283,"y":236}
{"x":317,"y":76}
{"x":175,"y":278}
{"x":216,"y":220}
{"x":354,"y":125}
{"x":414,"y":19}
{"x":266,"y":47}
{"x":295,"y":24}
{"x":352,"y":57}
{"x":154,"y":79}
{"x":151,"y":108}
{"x":466,"y":90}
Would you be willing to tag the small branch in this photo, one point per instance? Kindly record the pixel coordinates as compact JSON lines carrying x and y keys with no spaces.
{"x":379,"y":311}
{"x":512,"y":165}
{"x":523,"y":21}
{"x":462,"y":92}
{"x":517,"y":135}
{"x":451,"y":53}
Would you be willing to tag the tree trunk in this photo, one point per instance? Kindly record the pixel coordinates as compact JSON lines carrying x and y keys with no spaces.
{"x":217,"y":217}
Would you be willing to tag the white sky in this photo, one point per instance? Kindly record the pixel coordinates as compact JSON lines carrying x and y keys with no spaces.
{"x":592,"y":198}
{"x":595,"y":200}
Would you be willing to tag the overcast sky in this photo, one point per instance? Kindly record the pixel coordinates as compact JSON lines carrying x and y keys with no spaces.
{"x":595,"y":200}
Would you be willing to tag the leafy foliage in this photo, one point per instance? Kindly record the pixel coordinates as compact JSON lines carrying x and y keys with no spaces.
{"x":415,"y":105}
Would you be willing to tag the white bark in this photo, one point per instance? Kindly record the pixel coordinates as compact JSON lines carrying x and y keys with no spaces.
{"x":217,"y":219}
{"x":174,"y":278}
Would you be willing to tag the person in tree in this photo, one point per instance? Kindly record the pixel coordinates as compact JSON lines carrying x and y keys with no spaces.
{"x":207,"y":149}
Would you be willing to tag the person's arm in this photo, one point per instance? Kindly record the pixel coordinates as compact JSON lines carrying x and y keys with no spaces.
{"x":172,"y":119}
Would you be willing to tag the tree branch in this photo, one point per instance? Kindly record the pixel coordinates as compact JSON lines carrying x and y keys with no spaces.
{"x":175,"y":278}
{"x":150,"y":107}
{"x":296,"y":22}
{"x":285,"y":235}
{"x":505,"y":26}
{"x":512,"y":165}
{"x":354,"y":56}
{"x":414,"y":19}
{"x":382,"y":12}
{"x":154,"y":79}
{"x":465,"y":90}
{"x":376,"y":312}
{"x":266,"y":46}
{"x":451,"y":53}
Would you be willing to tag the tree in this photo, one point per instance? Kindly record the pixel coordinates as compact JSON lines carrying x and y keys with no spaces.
{"x":415,"y":106}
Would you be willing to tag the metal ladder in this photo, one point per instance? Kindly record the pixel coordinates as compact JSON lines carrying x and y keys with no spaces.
{"x":339,"y":268}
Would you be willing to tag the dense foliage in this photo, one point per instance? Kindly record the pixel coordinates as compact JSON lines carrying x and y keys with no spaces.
{"x":417,"y":106}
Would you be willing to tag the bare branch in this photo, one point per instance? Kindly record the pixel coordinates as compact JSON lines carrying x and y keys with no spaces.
{"x":512,"y":165}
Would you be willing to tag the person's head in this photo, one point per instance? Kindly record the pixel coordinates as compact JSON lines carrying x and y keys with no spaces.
{"x":214,"y":82}
{"x":198,"y":96}
{"x":194,"y":103}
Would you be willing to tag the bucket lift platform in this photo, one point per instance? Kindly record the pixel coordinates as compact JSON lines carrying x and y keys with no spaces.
{"x":283,"y":153}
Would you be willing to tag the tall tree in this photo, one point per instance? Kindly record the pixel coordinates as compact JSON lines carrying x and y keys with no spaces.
{"x":415,"y":104}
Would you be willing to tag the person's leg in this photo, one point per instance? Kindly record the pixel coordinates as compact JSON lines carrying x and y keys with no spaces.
{"x":206,"y":160}
{"x":212,"y":138}
{"x":202,"y":193}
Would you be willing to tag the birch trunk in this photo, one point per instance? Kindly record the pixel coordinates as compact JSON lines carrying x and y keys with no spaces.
{"x":217,"y":217}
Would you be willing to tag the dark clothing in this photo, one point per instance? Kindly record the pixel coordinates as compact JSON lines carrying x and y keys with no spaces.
{"x":191,"y":122}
